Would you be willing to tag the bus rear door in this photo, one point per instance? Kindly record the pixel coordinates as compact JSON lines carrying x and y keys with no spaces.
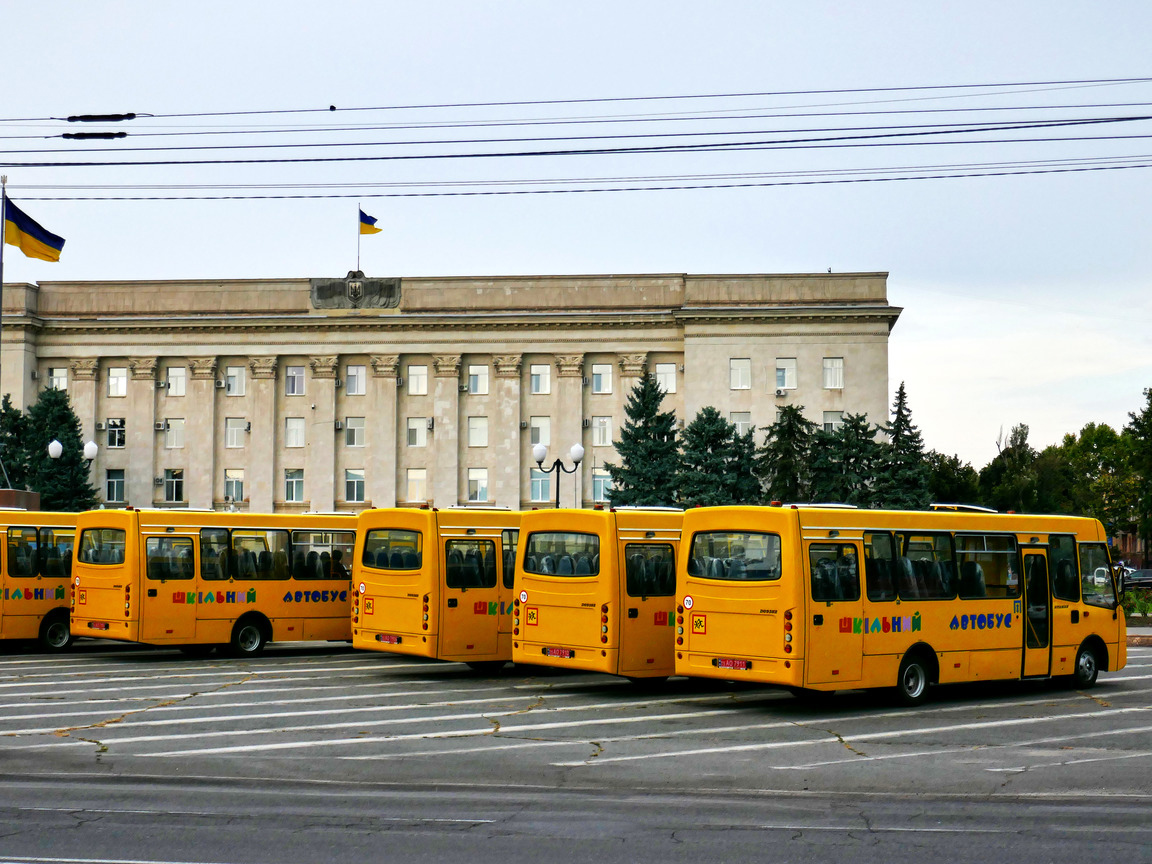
{"x":169,"y":588}
{"x":470,"y":592}
{"x":647,"y":601}
{"x":835,"y":624}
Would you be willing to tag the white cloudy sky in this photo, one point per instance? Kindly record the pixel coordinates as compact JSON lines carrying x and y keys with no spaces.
{"x":1026,"y":297}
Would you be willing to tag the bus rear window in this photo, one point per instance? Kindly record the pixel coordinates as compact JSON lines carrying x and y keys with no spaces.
{"x":741,"y":556}
{"x":392,"y":549}
{"x":556,"y":553}
{"x":102,"y":545}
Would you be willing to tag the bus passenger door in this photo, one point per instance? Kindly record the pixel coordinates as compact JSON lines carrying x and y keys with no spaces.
{"x":648,"y":609}
{"x":1038,"y":614}
{"x":168,"y":607}
{"x":471,"y":600}
{"x":835,"y":626}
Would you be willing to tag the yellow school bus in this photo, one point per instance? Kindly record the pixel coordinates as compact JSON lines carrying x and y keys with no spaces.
{"x":35,"y":576}
{"x":596,"y":590}
{"x":436,"y":583}
{"x":198,"y":579}
{"x":825,"y":599}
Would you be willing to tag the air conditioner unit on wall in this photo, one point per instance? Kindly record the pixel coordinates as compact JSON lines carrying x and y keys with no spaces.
{"x":780,"y":391}
{"x":339,"y":425}
{"x":35,"y":374}
{"x":431,"y":422}
{"x":339,"y":382}
{"x":161,"y":385}
{"x":399,"y":380}
{"x":220,"y":385}
{"x":523,"y":424}
{"x":157,"y":481}
{"x":160,"y":425}
{"x":100,"y":427}
{"x":586,"y":423}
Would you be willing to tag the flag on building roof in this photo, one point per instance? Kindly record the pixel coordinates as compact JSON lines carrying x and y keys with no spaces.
{"x":32,"y":239}
{"x":30,"y":236}
{"x":368,"y":224}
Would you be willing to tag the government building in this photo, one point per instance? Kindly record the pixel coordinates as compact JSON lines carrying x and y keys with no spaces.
{"x":282,"y":395}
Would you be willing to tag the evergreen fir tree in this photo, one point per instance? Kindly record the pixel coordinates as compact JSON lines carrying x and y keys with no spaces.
{"x":649,"y":457}
{"x":952,"y":481}
{"x":783,"y":463}
{"x":13,"y":431}
{"x":708,"y":452}
{"x":844,"y":463}
{"x":903,"y":472}
{"x":62,"y":483}
{"x":744,"y":483}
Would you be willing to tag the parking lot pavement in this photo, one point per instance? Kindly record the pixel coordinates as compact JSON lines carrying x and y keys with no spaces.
{"x":324,"y":712}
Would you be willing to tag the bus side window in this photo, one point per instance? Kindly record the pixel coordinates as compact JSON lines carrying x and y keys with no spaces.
{"x":834,"y":573}
{"x":879,"y":567}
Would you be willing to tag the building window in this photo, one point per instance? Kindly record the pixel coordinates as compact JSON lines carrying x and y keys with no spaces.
{"x":233,"y":484}
{"x":114,"y":485}
{"x":540,"y":430}
{"x":477,"y":431}
{"x":786,"y":373}
{"x":115,"y":431}
{"x":234,"y":380}
{"x":234,"y":429}
{"x":118,"y":381}
{"x":294,"y":381}
{"x":833,"y":373}
{"x":666,"y":377}
{"x":294,"y":484}
{"x":601,"y":431}
{"x":541,"y":486}
{"x":477,"y":484}
{"x":174,"y":433}
{"x":176,"y":376}
{"x":601,"y":484}
{"x":478,"y":380}
{"x":417,"y":380}
{"x":354,"y":432}
{"x":601,"y":378}
{"x":354,"y":485}
{"x":740,"y":373}
{"x":57,"y":378}
{"x":540,"y":379}
{"x":742,"y":420}
{"x":417,"y":484}
{"x":173,"y":484}
{"x":355,"y":380}
{"x":293,"y":431}
{"x":833,"y":420}
{"x":417,"y":431}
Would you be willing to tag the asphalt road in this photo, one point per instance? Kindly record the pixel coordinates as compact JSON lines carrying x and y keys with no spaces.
{"x":318,"y":753}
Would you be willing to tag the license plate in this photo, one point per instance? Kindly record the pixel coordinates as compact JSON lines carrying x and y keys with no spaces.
{"x":566,"y":653}
{"x":98,"y":625}
{"x":729,"y":663}
{"x":386,"y":637}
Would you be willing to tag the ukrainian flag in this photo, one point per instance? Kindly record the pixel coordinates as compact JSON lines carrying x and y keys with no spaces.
{"x":368,"y":224}
{"x":31,"y":237}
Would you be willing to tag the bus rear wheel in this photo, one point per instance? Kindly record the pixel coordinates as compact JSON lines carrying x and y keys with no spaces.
{"x":248,"y":639}
{"x":1087,"y":668}
{"x":56,"y":632}
{"x":486,"y":667}
{"x":912,"y":681}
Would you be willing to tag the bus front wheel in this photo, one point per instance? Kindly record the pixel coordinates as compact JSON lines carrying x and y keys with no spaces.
{"x":912,"y":681}
{"x":1087,"y":667}
{"x":248,"y":639}
{"x":56,"y":632}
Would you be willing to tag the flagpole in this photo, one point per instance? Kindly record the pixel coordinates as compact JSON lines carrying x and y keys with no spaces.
{"x":357,"y":236}
{"x":3,"y":233}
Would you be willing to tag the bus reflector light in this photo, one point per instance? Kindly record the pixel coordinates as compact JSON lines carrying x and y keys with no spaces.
{"x":787,"y":626}
{"x":603,"y":619}
{"x":679,"y":640}
{"x":425,"y":625}
{"x":788,"y":615}
{"x":603,"y":638}
{"x":680,"y":610}
{"x":679,"y":619}
{"x":515,"y":631}
{"x":787,"y":637}
{"x":787,"y":649}
{"x":604,"y":608}
{"x":603,"y":628}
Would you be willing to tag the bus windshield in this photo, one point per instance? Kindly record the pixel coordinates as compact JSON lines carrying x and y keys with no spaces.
{"x":741,"y":556}
{"x":556,"y":553}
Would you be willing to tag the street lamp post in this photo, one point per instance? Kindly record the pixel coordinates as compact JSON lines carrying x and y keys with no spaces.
{"x":576,"y":454}
{"x":56,"y":450}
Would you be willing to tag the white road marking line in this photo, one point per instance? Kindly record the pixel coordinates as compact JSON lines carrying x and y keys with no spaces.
{"x":840,"y":740}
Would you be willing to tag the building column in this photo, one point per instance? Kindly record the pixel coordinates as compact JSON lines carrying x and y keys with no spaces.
{"x":380,"y":480}
{"x":141,"y":435}
{"x":504,"y":435}
{"x":444,"y":484}
{"x":320,"y":458}
{"x":569,"y":427}
{"x":200,"y":433}
{"x":82,"y":393}
{"x":260,"y":487}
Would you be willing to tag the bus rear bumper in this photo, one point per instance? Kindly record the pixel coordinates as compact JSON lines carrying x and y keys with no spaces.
{"x":568,"y":657}
{"x":764,"y":670}
{"x":394,"y":642}
{"x":103,"y":628}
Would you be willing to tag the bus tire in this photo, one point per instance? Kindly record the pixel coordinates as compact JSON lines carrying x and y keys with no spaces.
{"x":1087,"y":667}
{"x":249,"y":637}
{"x":912,"y":680}
{"x":486,"y":667}
{"x":56,"y":631}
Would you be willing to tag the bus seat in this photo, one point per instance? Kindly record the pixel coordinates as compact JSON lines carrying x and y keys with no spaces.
{"x":411,"y":560}
{"x":583,"y":566}
{"x":547,"y":564}
{"x":716,"y":569}
{"x":737,"y":569}
{"x":470,"y":572}
{"x":634,"y":576}
{"x":488,"y":567}
{"x":531,"y":564}
{"x":665,"y":578}
{"x":596,"y":563}
{"x":972,"y":580}
{"x":381,"y":559}
{"x":264,"y":564}
{"x":695,"y":567}
{"x":847,"y":578}
{"x":396,"y":560}
{"x":326,"y":564}
{"x":509,"y":562}
{"x":1066,"y":581}
{"x":312,"y":565}
{"x":564,"y":566}
{"x":906,"y":578}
